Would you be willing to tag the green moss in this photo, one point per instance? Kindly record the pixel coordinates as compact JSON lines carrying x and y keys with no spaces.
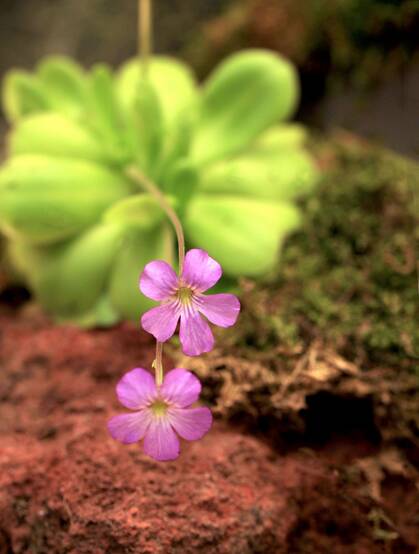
{"x":349,"y":276}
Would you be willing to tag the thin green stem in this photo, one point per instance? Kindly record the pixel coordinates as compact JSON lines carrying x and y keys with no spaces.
{"x":138,"y":176}
{"x":145,"y":38}
{"x":158,"y":363}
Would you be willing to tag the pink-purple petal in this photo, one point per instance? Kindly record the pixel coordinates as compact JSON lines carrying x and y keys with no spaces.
{"x":161,"y":321}
{"x":161,"y":442}
{"x":129,"y":428}
{"x":200,"y":271}
{"x":181,"y":387}
{"x":195,"y":334}
{"x":191,"y":424}
{"x":136,"y":389}
{"x":158,"y":280}
{"x":220,"y":309}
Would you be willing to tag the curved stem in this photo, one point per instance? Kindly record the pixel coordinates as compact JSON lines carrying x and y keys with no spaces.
{"x":158,"y":363}
{"x":152,"y":188}
{"x":145,"y":15}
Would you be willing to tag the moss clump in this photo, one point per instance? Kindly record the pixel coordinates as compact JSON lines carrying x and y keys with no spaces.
{"x":349,"y":276}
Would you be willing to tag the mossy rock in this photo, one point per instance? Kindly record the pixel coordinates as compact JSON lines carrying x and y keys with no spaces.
{"x":354,"y":263}
{"x":349,"y":275}
{"x":338,"y":322}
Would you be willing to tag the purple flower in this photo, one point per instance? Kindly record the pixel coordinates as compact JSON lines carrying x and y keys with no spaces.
{"x":159,"y":412}
{"x":182,"y":298}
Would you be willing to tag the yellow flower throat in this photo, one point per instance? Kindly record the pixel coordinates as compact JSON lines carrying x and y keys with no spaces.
{"x":185,"y":295}
{"x":159,"y":408}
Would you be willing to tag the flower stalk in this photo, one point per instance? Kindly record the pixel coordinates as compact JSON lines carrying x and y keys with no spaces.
{"x":138,"y":176}
{"x":147,"y":184}
{"x":158,"y":364}
{"x":145,"y":38}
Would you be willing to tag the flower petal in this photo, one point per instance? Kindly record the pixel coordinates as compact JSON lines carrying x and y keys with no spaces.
{"x":220,"y":309}
{"x":181,"y":387}
{"x":136,"y":388}
{"x":161,"y":442}
{"x":195,"y":335}
{"x":129,"y":428}
{"x":161,"y":321}
{"x":191,"y":424}
{"x":200,"y":270}
{"x":158,"y":280}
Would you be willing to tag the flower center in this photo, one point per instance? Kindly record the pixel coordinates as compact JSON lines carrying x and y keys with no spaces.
{"x":185,"y":295}
{"x":159,"y":408}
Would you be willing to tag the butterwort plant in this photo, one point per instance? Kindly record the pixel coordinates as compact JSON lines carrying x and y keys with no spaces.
{"x":75,"y":208}
{"x":97,"y":160}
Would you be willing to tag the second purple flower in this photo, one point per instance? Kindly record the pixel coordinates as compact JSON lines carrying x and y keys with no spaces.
{"x":181,"y":298}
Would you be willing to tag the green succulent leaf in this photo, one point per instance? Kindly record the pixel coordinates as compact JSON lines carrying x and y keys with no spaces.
{"x":54,"y":134}
{"x":70,"y":279}
{"x":103,"y":314}
{"x":44,"y":199}
{"x":145,"y":125}
{"x":107,"y":116}
{"x":245,"y":95}
{"x":138,"y":248}
{"x":181,"y":182}
{"x":66,"y":85}
{"x":280,"y":137}
{"x":172,"y":80}
{"x":272,"y":175}
{"x":176,"y":145}
{"x":161,"y":106}
{"x":23,"y":94}
{"x":243,"y":234}
{"x":140,"y":210}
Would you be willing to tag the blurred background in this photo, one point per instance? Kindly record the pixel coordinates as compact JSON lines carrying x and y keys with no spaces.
{"x":358,"y":59}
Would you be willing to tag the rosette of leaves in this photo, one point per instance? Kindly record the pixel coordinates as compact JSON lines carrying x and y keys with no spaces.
{"x":79,"y":230}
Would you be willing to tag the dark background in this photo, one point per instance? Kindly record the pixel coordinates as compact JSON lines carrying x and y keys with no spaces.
{"x":93,"y":30}
{"x":358,"y":59}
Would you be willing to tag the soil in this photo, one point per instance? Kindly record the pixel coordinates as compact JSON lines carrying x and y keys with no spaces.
{"x":67,"y":487}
